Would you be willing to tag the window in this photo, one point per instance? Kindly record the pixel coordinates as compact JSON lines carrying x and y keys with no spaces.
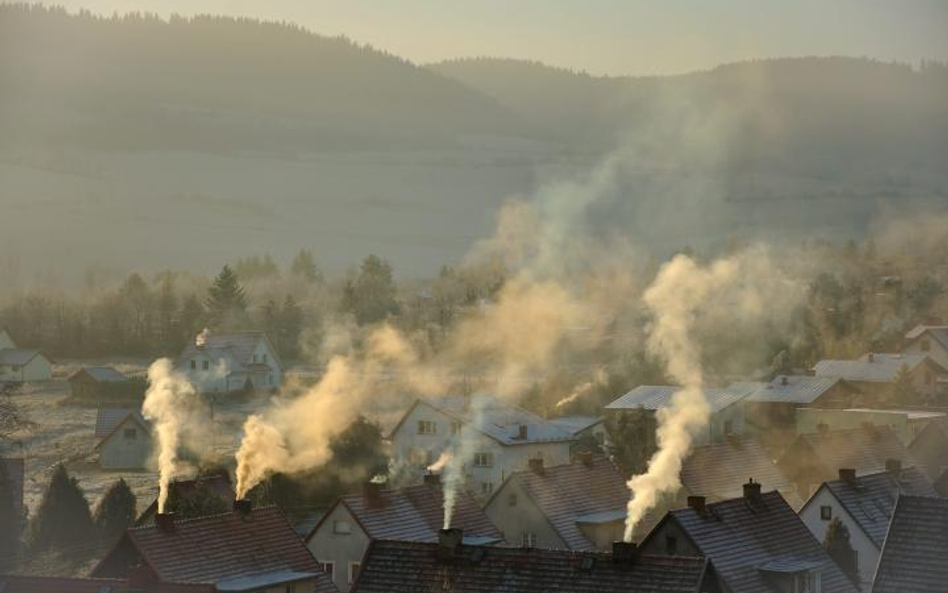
{"x":130,"y":434}
{"x":926,"y":345}
{"x":330,"y":569}
{"x":342,"y":527}
{"x":205,"y":364}
{"x":671,"y":545}
{"x":487,"y":487}
{"x":455,"y":428}
{"x":194,"y":365}
{"x":255,"y":358}
{"x":528,"y":539}
{"x":353,"y":571}
{"x":484,"y":459}
{"x":264,"y":358}
{"x":826,"y":513}
{"x":427,"y":427}
{"x":728,"y":427}
{"x":512,"y":499}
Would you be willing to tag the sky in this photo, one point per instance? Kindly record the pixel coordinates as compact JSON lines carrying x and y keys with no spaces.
{"x":637,"y":37}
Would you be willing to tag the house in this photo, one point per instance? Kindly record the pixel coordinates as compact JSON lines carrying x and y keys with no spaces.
{"x":502,"y":438}
{"x":727,"y":410}
{"x":575,"y":506}
{"x":242,"y":550}
{"x":393,"y":566}
{"x":216,"y":484}
{"x":930,"y":448}
{"x":124,"y":438}
{"x":584,"y":427}
{"x":716,"y":471}
{"x":864,"y":505}
{"x":905,"y":423}
{"x":19,"y":364}
{"x":755,"y":544}
{"x":88,"y":382}
{"x":48,"y":584}
{"x":874,"y":373}
{"x":913,"y":556}
{"x":415,"y":513}
{"x":816,"y":457}
{"x":931,"y":340}
{"x":12,"y":469}
{"x":770,"y":412}
{"x":222,"y":363}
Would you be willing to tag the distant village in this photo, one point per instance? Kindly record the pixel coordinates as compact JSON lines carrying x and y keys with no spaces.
{"x":800,"y":483}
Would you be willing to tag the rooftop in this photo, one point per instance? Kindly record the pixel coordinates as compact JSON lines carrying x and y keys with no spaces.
{"x":871,"y":368}
{"x":938,"y":332}
{"x":575,"y":424}
{"x":913,"y":556}
{"x":653,"y":397}
{"x":103,"y":374}
{"x":108,"y":419}
{"x":718,"y":471}
{"x":408,"y":567}
{"x":17,"y":356}
{"x":795,"y":389}
{"x":236,"y":349}
{"x":865,"y":449}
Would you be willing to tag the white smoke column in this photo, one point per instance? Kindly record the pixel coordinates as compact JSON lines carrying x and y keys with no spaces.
{"x":168,"y":404}
{"x":461,"y":452}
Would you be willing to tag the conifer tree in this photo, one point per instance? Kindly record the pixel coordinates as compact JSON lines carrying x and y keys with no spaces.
{"x":226,"y":300}
{"x":836,"y":543}
{"x":63,"y":519}
{"x":10,"y":523}
{"x":116,"y":511}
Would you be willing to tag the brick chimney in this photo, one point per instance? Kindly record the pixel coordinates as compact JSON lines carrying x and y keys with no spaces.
{"x":432,"y":479}
{"x":848,"y":475}
{"x":752,"y":490}
{"x":449,"y":541}
{"x":585,"y":457}
{"x":165,"y":522}
{"x":624,"y":553}
{"x":372,"y":491}
{"x":536,"y":466}
{"x":243,"y":506}
{"x":894,"y":467}
{"x":697,"y":504}
{"x":784,"y":380}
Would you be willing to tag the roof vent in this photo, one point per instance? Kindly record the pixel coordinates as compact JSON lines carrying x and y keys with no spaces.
{"x":697,"y":504}
{"x":536,"y":466}
{"x":165,"y":521}
{"x":848,"y":475}
{"x":752,"y":490}
{"x":623,"y":552}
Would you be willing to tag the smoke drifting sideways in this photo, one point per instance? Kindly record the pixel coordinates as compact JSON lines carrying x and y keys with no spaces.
{"x":178,"y":415}
{"x":691,"y":304}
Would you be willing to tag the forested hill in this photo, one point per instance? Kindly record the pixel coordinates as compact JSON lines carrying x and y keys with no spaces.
{"x":137,"y":81}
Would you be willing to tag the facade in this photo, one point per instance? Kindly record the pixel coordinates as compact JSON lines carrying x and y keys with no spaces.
{"x":755,"y":543}
{"x":20,"y":365}
{"x":874,"y":373}
{"x":500,"y":437}
{"x":727,"y":409}
{"x":88,"y":382}
{"x":124,"y":439}
{"x":341,"y":537}
{"x":906,"y":424}
{"x":448,"y":565}
{"x":930,"y":340}
{"x":913,"y":556}
{"x":771,"y":411}
{"x":930,"y":448}
{"x":577,"y":506}
{"x":243,"y":550}
{"x":864,"y":505}
{"x":224,"y":363}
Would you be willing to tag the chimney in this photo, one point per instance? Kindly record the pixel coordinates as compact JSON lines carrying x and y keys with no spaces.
{"x":432,"y":479}
{"x":372,"y":491}
{"x":536,"y":466}
{"x":752,"y":490}
{"x":894,"y":467}
{"x":449,"y":540}
{"x":165,"y":522}
{"x":522,"y":432}
{"x":697,"y":504}
{"x":584,"y":457}
{"x":623,"y":552}
{"x":243,"y":506}
{"x":848,"y":475}
{"x":871,"y":357}
{"x":784,"y":380}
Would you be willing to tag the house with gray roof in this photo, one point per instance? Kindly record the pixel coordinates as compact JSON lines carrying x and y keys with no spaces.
{"x":770,"y":412}
{"x":235,"y":361}
{"x":864,"y":504}
{"x":755,"y":544}
{"x":930,"y":340}
{"x":913,"y":555}
{"x":88,"y":382}
{"x":585,"y":427}
{"x":727,"y":409}
{"x":498,"y":438}
{"x":874,"y":373}
{"x":22,"y":364}
{"x":124,"y":438}
{"x":930,"y":448}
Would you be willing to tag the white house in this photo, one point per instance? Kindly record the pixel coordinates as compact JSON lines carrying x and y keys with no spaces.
{"x":124,"y":438}
{"x":495,"y":437}
{"x":221,"y":363}
{"x":874,"y":373}
{"x":928,"y":339}
{"x":864,"y":505}
{"x":19,"y":364}
{"x":585,"y":427}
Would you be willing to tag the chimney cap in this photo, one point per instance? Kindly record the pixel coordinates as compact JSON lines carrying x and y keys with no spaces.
{"x":752,"y":490}
{"x":697,"y":504}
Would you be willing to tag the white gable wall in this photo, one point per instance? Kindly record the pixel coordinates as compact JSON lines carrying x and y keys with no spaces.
{"x":342,"y":549}
{"x":37,"y":369}
{"x":515,"y":513}
{"x":935,"y":350}
{"x":122,"y":450}
{"x":5,"y":340}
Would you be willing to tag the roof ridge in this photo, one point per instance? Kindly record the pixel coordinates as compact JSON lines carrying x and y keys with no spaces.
{"x":192,"y":520}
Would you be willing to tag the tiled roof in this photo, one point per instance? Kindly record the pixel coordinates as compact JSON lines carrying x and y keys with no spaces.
{"x":410,"y":567}
{"x":883,"y":368}
{"x":653,"y":397}
{"x":103,"y":374}
{"x":498,"y":419}
{"x":18,"y":356}
{"x":236,"y":349}
{"x":938,"y":332}
{"x":915,"y":555}
{"x":576,"y":424}
{"x":34,"y":584}
{"x":107,"y":419}
{"x":719,"y":470}
{"x":795,"y":389}
{"x":220,"y":547}
{"x":740,"y":537}
{"x":571,"y":493}
{"x":416,"y":513}
{"x":218,"y":484}
{"x":871,"y":499}
{"x":865,"y":449}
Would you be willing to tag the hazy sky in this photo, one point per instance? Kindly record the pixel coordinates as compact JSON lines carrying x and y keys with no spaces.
{"x":603,"y":36}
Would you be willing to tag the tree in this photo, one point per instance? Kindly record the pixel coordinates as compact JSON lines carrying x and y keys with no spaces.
{"x":289,"y":326}
{"x":902,"y":391}
{"x":9,"y":519}
{"x":191,"y":319}
{"x":199,"y":502}
{"x":63,"y":519}
{"x":304,"y":267}
{"x":632,"y":439}
{"x":167,"y":309}
{"x":371,"y":296}
{"x":226,"y":299}
{"x":116,"y":511}
{"x":836,"y":543}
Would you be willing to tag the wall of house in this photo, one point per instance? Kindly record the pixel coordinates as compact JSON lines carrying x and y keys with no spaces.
{"x":120,"y":452}
{"x":867,"y":553}
{"x":5,"y":340}
{"x":657,"y":540}
{"x":935,"y":350}
{"x":512,"y":458}
{"x":420,"y":450}
{"x":264,"y":354}
{"x":37,"y":369}
{"x":341,"y":549}
{"x":522,"y":517}
{"x":603,"y":534}
{"x":716,"y":431}
{"x":809,"y":418}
